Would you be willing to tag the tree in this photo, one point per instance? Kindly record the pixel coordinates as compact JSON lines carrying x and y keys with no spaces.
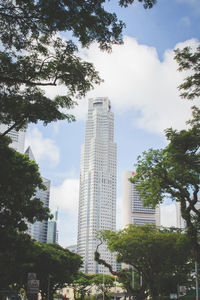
{"x":19,"y":180}
{"x":124,"y":276}
{"x":33,"y":55}
{"x":55,"y":267}
{"x":19,"y":254}
{"x":16,"y":253}
{"x":132,"y":283}
{"x":158,"y":255}
{"x":189,"y":60}
{"x":103,"y":284}
{"x":82,"y":285}
{"x":174,"y":172}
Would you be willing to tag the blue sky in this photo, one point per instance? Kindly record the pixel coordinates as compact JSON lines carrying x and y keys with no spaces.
{"x":140,"y":79}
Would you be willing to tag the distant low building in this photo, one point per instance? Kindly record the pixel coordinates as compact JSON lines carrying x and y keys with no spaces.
{"x":72,"y":248}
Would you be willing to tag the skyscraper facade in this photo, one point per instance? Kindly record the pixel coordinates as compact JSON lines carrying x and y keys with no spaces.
{"x":97,"y":199}
{"x":52,"y":232}
{"x":18,"y":138}
{"x":133,"y":209}
{"x":38,"y":230}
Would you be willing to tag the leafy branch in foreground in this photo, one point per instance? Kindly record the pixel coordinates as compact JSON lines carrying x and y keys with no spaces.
{"x":34,"y":56}
{"x":88,"y":21}
{"x":21,"y":99}
{"x":173,"y":172}
{"x":188,"y":59}
{"x":19,"y":181}
{"x":159,"y":255}
{"x":124,"y":276}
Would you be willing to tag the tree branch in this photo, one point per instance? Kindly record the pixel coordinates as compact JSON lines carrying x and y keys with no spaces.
{"x":30,"y":83}
{"x":10,"y":128}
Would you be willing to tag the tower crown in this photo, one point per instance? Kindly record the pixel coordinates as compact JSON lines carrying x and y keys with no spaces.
{"x":100,"y":102}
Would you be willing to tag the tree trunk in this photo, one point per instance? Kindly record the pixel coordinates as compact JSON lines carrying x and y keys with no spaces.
{"x":197,"y":280}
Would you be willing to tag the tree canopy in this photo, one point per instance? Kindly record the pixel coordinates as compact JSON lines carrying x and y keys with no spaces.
{"x":103,"y":284}
{"x":15,"y":258}
{"x":159,"y":255}
{"x":55,"y":267}
{"x":82,"y":285}
{"x":34,"y":55}
{"x":189,"y":59}
{"x":19,"y":180}
{"x":173,"y":172}
{"x":19,"y":255}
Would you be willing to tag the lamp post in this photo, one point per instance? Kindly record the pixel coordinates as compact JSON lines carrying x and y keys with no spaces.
{"x":197,"y":281}
{"x":103,"y":287}
{"x":48,"y":296}
{"x":133,"y":277}
{"x":115,"y":289}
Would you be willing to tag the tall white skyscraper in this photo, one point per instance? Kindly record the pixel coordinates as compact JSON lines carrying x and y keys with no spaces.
{"x":18,"y":138}
{"x":133,"y":209}
{"x":97,"y":199}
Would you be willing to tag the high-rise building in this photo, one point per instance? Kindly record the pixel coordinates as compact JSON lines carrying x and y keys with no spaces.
{"x":38,"y":230}
{"x":52,"y":232}
{"x":97,"y":199}
{"x":133,"y":209}
{"x":18,"y":137}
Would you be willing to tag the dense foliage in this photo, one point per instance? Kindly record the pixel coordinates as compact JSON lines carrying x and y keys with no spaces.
{"x":159,"y":256}
{"x":19,"y":254}
{"x":81,"y":285}
{"x":19,"y":180}
{"x":85,"y":284}
{"x":103,"y":284}
{"x":174,"y":172}
{"x":33,"y":55}
{"x":188,"y":59}
{"x":55,"y":267}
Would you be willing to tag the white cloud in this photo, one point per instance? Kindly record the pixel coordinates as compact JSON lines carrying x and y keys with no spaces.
{"x":65,"y":198}
{"x":168,"y":215}
{"x":135,"y":79}
{"x":44,"y":149}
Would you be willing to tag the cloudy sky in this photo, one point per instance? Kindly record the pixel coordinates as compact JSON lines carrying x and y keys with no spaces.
{"x":140,"y":79}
